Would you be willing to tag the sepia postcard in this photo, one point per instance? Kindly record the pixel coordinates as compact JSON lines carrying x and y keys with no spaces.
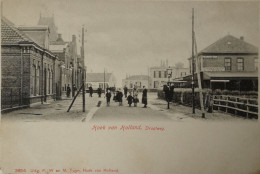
{"x":129,"y":86}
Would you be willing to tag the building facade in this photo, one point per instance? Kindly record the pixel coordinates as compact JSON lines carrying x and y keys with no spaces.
{"x":159,"y":74}
{"x":137,"y":81}
{"x":229,"y":63}
{"x":102,"y":80}
{"x":28,"y":73}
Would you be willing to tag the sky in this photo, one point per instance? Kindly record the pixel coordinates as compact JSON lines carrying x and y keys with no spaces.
{"x":128,"y":36}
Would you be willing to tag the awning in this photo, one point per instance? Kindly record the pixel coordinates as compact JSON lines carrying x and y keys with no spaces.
{"x":230,"y":75}
{"x":219,"y":80}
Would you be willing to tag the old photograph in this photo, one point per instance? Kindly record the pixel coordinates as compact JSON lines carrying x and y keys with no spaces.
{"x":129,"y":86}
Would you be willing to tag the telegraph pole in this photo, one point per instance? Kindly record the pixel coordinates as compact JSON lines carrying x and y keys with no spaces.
{"x":83,"y":72}
{"x":192,"y":59}
{"x":104,"y":81}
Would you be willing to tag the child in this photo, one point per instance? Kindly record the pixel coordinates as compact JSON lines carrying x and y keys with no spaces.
{"x":130,"y":99}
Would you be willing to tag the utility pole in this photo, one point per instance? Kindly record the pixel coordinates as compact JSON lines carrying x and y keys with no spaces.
{"x":199,"y":79}
{"x":83,"y":72}
{"x":104,"y":81}
{"x":192,"y":60}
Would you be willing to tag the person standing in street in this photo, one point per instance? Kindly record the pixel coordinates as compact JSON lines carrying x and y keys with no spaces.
{"x":99,"y":90}
{"x":108,"y":96}
{"x":130,"y":99}
{"x":120,"y":97}
{"x":125,"y":91}
{"x":68,"y":90}
{"x":135,"y":96}
{"x":90,"y":91}
{"x":74,"y":89}
{"x":144,"y":97}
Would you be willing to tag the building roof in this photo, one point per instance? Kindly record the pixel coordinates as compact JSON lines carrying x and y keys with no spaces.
{"x":138,"y":77}
{"x":49,"y":21}
{"x":230,"y":44}
{"x":10,"y":35}
{"x":39,"y":34}
{"x":57,"y":48}
{"x":97,"y":77}
{"x":161,"y":67}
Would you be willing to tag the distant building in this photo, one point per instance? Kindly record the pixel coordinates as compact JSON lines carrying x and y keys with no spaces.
{"x":159,"y":75}
{"x":49,"y":21}
{"x":61,"y":50}
{"x":137,"y":80}
{"x":97,"y":80}
{"x":229,"y":63}
{"x":28,"y":69}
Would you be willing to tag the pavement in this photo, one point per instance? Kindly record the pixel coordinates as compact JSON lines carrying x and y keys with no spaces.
{"x":53,"y":111}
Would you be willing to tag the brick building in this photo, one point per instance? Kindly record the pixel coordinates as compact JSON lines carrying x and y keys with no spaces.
{"x":70,"y":67}
{"x":27,"y":67}
{"x":229,"y":63}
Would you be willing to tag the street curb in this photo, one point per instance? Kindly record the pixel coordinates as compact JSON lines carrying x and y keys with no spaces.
{"x":3,"y":111}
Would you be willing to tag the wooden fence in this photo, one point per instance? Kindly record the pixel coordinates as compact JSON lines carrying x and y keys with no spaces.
{"x":246,"y":107}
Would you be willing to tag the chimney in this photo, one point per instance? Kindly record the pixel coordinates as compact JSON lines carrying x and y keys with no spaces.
{"x":241,"y":37}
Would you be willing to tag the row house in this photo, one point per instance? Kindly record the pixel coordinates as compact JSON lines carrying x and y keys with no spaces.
{"x":70,"y":66}
{"x":229,"y":63}
{"x":28,"y":73}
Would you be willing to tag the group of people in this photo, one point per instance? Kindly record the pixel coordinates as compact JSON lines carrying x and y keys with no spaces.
{"x":68,"y":90}
{"x":118,"y":95}
{"x":99,"y":91}
{"x":131,"y":98}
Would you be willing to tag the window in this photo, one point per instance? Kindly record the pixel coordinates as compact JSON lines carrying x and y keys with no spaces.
{"x":165,"y":74}
{"x":183,"y":74}
{"x":240,"y":64}
{"x":51,"y":84}
{"x":33,"y":80}
{"x":156,"y":84}
{"x":154,"y":74}
{"x":160,"y":74}
{"x":88,"y":85}
{"x":256,"y":63}
{"x":138,"y":84}
{"x":38,"y":81}
{"x":227,"y":64}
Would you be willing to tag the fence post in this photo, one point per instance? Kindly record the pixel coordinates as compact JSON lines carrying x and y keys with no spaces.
{"x":20,"y":97}
{"x":236,"y":106}
{"x":181,"y":97}
{"x":227,"y":98}
{"x":247,"y":108}
{"x":11,"y":97}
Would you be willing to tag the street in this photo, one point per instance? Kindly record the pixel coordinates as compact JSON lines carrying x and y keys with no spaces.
{"x":176,"y":142}
{"x":156,"y":111}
